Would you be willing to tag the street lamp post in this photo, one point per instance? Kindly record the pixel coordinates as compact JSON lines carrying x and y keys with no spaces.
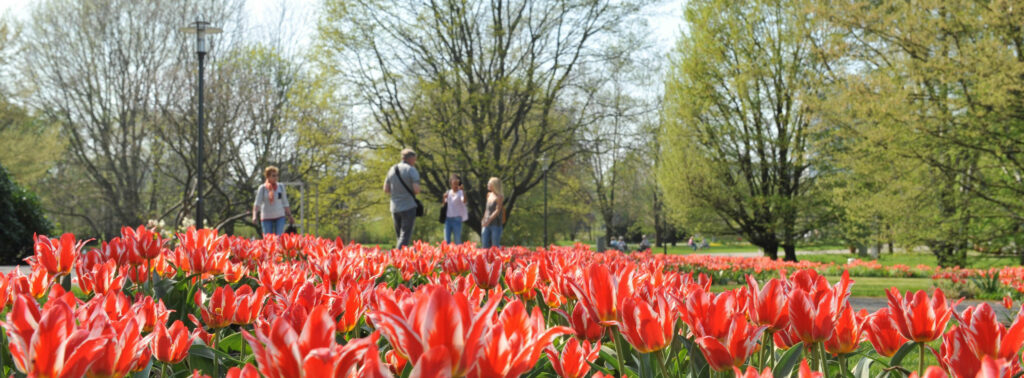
{"x":200,"y":29}
{"x":544,"y":160}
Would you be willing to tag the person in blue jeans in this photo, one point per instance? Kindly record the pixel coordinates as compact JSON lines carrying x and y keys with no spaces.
{"x":494,"y":215}
{"x":272,"y":204}
{"x":455,"y":198}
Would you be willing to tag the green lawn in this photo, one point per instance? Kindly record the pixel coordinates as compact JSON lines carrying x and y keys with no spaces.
{"x":869,"y":286}
{"x":912,"y":259}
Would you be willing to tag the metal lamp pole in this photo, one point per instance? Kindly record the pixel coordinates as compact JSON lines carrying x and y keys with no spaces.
{"x":544,"y":159}
{"x":200,"y":29}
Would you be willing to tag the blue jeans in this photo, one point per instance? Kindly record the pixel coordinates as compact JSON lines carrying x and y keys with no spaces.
{"x":453,"y":230}
{"x":273,"y":226}
{"x":491,"y":236}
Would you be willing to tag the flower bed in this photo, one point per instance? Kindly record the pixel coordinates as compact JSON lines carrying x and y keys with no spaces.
{"x":298,"y":306}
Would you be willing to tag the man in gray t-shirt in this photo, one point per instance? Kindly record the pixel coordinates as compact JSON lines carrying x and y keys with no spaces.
{"x":403,"y":203}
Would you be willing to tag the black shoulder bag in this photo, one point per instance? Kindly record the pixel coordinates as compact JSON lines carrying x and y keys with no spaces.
{"x":419,"y":205}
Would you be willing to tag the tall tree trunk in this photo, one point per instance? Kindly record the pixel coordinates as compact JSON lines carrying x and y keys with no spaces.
{"x":790,"y":250}
{"x":771,"y":248}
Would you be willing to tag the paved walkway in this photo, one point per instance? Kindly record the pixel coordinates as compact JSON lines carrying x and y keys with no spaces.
{"x":872,"y":304}
{"x":8,"y":268}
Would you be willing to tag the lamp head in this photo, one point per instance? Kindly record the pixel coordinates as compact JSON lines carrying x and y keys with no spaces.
{"x":200,"y":29}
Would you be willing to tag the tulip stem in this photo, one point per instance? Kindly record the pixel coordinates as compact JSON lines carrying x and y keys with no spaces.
{"x":618,"y":349}
{"x":216,"y":361}
{"x":163,"y":370}
{"x":920,"y":363}
{"x":824,"y":358}
{"x":661,"y":362}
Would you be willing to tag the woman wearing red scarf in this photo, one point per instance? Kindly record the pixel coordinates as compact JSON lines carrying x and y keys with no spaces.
{"x":272,"y":204}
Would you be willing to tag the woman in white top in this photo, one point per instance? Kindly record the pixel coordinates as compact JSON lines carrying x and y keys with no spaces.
{"x":272,"y":204}
{"x":457,"y":213}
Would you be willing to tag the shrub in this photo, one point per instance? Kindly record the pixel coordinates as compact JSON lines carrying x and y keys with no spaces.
{"x":22,"y":216}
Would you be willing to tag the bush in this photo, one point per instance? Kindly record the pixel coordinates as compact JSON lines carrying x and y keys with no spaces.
{"x":22,"y":217}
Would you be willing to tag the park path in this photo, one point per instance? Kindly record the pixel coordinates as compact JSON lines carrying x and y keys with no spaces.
{"x":872,"y":304}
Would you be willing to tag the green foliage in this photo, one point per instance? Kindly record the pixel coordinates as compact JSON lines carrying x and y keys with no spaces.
{"x":23,"y":217}
{"x":924,"y":123}
{"x":736,"y":134}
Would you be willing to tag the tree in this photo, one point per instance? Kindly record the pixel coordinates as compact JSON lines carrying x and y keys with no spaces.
{"x":737,"y":153}
{"x":930,"y":118}
{"x":476,"y":87}
{"x":618,"y":104}
{"x":97,"y":68}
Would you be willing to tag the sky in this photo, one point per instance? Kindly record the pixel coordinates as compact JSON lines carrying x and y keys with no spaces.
{"x":665,"y":19}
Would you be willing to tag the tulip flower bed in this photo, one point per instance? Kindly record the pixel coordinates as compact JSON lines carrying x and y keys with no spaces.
{"x":299,"y":306}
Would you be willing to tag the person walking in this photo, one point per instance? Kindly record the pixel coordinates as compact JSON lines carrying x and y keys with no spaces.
{"x":272,"y":204}
{"x":494,"y":215}
{"x":402,"y":183}
{"x":455,"y":200}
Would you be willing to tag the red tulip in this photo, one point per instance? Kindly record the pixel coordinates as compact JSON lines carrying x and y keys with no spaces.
{"x":768,"y":306}
{"x":235,"y":272}
{"x":248,"y":371}
{"x":123,"y":347}
{"x":735,"y":348}
{"x":150,"y":313}
{"x":805,"y":371}
{"x":995,"y":368}
{"x":602,"y":291}
{"x":248,"y":304}
{"x":709,"y":314}
{"x":39,"y":282}
{"x":980,"y":335}
{"x":846,"y":336}
{"x":107,"y":277}
{"x":433,"y":364}
{"x":57,"y":256}
{"x":512,"y":345}
{"x":955,"y":354}
{"x":7,"y":283}
{"x":282,"y":352}
{"x":930,"y":372}
{"x":142,"y":243}
{"x":988,"y":337}
{"x":883,"y":334}
{"x":812,"y":320}
{"x":647,"y":328}
{"x":395,"y":362}
{"x":575,"y":359}
{"x":584,"y":326}
{"x":522,"y":281}
{"x":485,"y":271}
{"x":352,"y":309}
{"x":1008,"y":302}
{"x":220,"y":312}
{"x":433,"y":318}
{"x":553,"y":298}
{"x":47,"y":343}
{"x":171,"y":345}
{"x":918,"y":318}
{"x":752,"y":373}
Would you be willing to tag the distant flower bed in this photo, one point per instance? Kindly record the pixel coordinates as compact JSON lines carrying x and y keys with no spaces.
{"x":203,"y":304}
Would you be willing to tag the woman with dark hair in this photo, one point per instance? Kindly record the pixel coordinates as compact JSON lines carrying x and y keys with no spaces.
{"x":272,"y":204}
{"x":455,"y":199}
